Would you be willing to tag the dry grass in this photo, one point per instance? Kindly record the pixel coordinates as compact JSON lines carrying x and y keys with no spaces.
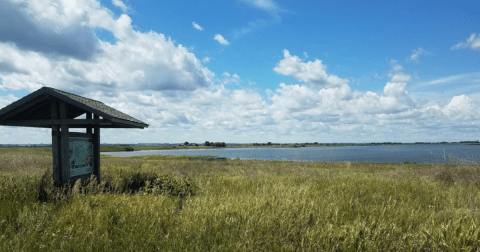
{"x":25,"y":161}
{"x":242,"y":205}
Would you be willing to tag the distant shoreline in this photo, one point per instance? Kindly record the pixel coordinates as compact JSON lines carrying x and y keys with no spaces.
{"x":126,"y":147}
{"x":138,"y":148}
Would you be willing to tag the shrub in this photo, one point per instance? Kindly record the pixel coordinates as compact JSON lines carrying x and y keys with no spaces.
{"x":48,"y":192}
{"x":130,"y":183}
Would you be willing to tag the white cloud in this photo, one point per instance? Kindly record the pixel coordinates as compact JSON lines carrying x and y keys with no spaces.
{"x":334,"y":104}
{"x":230,"y":79}
{"x":416,"y":54}
{"x":313,"y":72}
{"x":460,"y":107}
{"x":7,"y":100}
{"x":120,"y":5}
{"x":472,"y":42}
{"x":266,"y":5}
{"x":197,"y":26}
{"x":57,"y":29}
{"x":206,"y":59}
{"x":269,"y":6}
{"x":447,"y":79}
{"x":138,"y":60}
{"x":220,"y":39}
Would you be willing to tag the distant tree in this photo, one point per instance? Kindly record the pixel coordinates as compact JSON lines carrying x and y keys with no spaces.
{"x":207,"y":143}
{"x":269,"y":143}
{"x":316,"y":143}
{"x":218,"y":144}
{"x":197,"y":145}
{"x":185,"y":144}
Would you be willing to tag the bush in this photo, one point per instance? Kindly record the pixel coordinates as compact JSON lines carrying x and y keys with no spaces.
{"x":130,"y":183}
{"x":129,"y":148}
{"x":49,"y":192}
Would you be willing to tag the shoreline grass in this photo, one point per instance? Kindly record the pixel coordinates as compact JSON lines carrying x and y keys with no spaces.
{"x":239,"y":205}
{"x":122,"y":148}
{"x":139,"y":148}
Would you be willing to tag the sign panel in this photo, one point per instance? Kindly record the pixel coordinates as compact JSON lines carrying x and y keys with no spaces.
{"x":80,"y":155}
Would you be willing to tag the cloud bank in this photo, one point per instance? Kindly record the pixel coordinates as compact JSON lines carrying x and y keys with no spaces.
{"x":55,"y":44}
{"x":148,"y":76}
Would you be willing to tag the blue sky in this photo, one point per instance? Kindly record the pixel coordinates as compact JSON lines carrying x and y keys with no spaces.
{"x":252,"y":70}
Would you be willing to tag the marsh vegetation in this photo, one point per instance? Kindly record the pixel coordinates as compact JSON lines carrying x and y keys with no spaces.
{"x":171,"y":203}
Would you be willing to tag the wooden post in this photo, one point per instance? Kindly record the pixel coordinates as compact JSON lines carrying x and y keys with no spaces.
{"x":89,"y":128}
{"x":64,"y":144}
{"x":96,"y":149}
{"x":57,"y":171}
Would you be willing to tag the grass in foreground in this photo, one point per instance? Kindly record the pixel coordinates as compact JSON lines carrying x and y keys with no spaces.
{"x":239,"y":205}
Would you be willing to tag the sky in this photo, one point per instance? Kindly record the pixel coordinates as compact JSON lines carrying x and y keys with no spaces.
{"x":245,"y":71}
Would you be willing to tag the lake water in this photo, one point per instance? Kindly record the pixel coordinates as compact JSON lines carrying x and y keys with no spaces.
{"x":421,"y":154}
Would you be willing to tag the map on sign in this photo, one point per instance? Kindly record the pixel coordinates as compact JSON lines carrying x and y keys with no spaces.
{"x":80,"y":150}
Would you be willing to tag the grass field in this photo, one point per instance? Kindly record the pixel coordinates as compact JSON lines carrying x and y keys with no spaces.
{"x":168,"y":203}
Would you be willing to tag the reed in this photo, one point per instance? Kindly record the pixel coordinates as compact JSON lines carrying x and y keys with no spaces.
{"x":239,"y":205}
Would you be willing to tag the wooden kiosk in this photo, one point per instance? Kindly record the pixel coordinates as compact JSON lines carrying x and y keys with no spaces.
{"x":75,"y":155}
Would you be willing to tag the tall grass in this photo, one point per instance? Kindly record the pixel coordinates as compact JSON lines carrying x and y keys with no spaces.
{"x":173,"y":204}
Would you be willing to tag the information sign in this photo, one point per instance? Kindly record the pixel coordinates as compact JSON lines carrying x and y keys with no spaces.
{"x":81,"y":156}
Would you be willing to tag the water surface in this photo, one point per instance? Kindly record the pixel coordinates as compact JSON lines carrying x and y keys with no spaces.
{"x":420,"y":154}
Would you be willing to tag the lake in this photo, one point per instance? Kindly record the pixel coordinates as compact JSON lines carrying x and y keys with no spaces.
{"x":421,"y":154}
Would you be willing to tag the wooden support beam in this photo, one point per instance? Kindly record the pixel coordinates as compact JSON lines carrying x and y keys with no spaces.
{"x":64,"y":144}
{"x":69,"y":122}
{"x":89,"y":117}
{"x":56,"y":162}
{"x":75,"y":134}
{"x":96,"y":150}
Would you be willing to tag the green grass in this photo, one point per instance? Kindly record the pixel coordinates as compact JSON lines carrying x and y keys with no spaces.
{"x":169,"y":203}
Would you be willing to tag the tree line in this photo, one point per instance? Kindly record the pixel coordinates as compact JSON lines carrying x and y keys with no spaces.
{"x":207,"y":143}
{"x":215,"y":144}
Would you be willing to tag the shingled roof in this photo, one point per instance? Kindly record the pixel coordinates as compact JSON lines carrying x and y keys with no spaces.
{"x":37,"y":106}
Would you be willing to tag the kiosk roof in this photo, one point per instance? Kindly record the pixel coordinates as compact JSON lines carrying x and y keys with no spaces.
{"x":37,"y":106}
